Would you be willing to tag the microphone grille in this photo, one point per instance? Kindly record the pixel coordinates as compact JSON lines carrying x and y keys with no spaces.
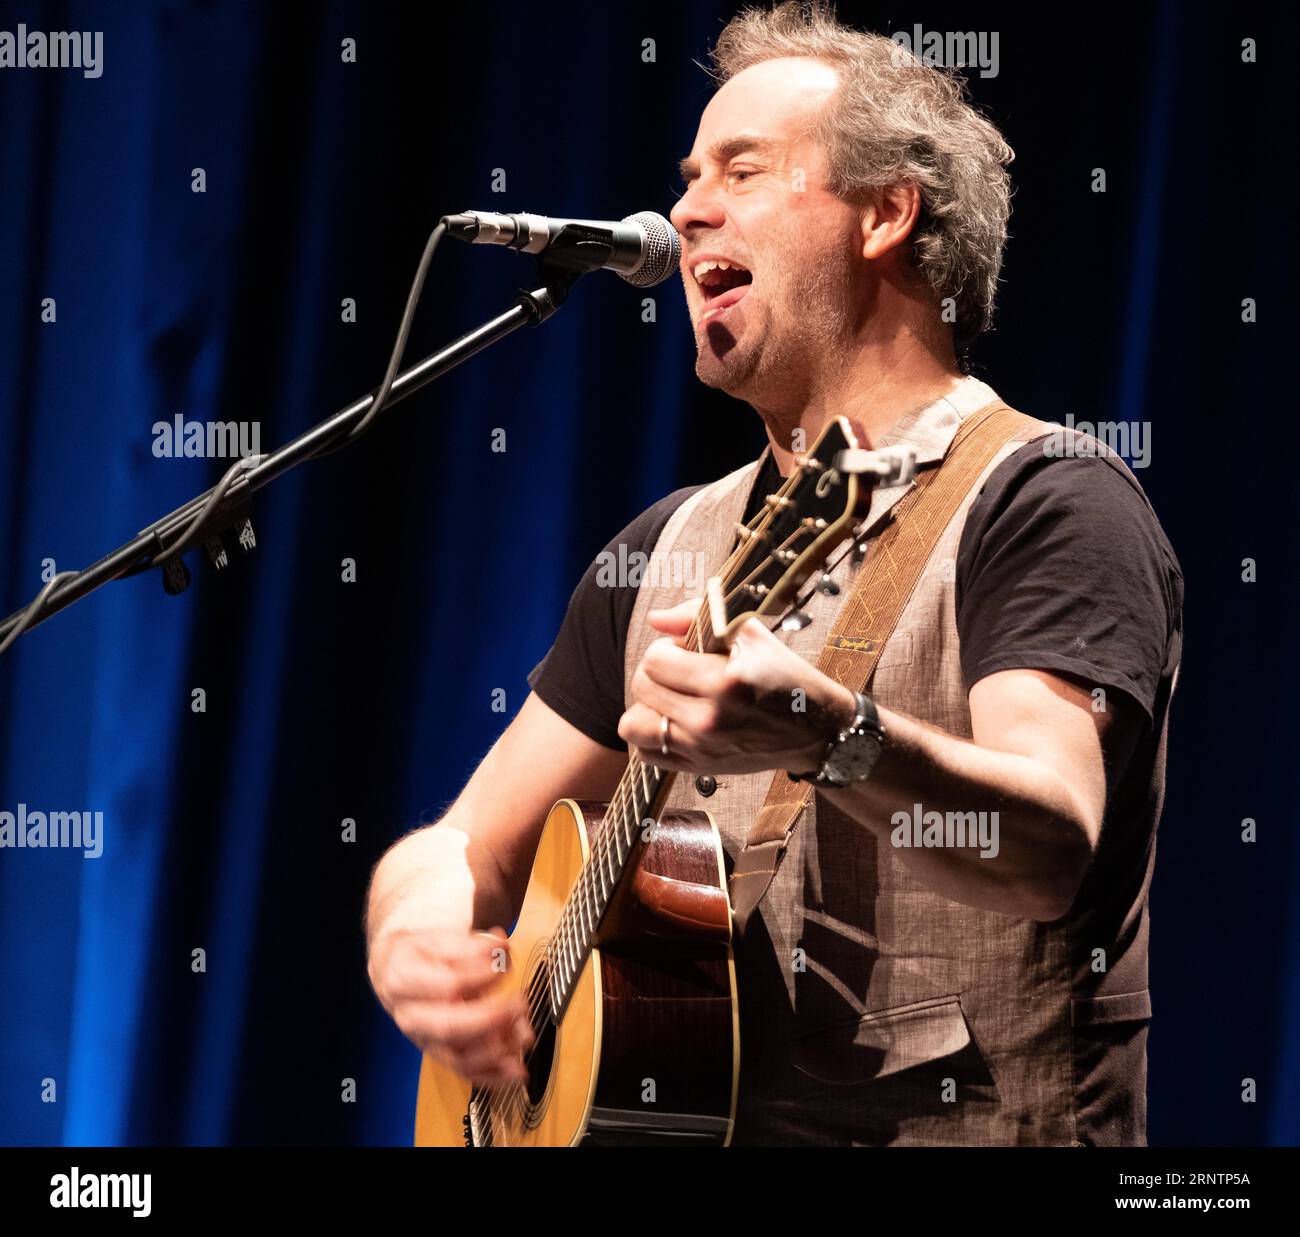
{"x":663,"y":250}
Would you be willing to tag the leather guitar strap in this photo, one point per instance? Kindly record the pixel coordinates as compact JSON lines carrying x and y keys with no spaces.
{"x":868,"y":616}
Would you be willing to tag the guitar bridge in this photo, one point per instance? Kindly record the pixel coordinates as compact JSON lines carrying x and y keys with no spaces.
{"x":473,"y":1123}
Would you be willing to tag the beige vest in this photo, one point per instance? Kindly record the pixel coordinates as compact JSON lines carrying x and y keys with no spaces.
{"x":873,"y":1010}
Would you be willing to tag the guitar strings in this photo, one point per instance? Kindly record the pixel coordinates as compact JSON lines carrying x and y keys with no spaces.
{"x":502,"y":1101}
{"x":624,"y":793}
{"x":624,"y":797}
{"x":506,"y":1099}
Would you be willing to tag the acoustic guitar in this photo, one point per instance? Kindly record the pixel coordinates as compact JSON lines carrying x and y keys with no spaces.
{"x":623,"y":942}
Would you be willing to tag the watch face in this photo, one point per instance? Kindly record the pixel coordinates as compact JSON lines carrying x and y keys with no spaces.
{"x":853,"y":757}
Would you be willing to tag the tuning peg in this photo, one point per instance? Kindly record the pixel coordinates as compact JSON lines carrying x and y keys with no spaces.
{"x":827,"y":585}
{"x":796,"y":620}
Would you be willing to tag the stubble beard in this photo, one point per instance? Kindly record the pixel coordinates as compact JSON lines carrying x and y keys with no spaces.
{"x":795,"y":344}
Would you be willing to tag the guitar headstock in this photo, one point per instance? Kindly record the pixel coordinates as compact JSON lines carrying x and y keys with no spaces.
{"x":814,"y":512}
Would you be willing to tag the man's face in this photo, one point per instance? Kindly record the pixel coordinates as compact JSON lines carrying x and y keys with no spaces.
{"x":756,"y":195}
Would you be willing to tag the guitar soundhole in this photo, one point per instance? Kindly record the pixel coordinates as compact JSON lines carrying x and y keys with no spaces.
{"x":541,"y":1058}
{"x":539,"y":1063}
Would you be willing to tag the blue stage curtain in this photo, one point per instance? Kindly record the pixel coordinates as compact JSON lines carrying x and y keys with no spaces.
{"x":329,"y":701}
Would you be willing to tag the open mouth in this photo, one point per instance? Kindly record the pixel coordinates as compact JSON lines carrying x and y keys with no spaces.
{"x":723,"y":283}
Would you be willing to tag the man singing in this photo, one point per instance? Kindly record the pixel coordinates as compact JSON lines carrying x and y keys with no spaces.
{"x":842,"y":227}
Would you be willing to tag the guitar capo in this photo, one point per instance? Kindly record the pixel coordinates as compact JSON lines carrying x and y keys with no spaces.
{"x":890,"y":466}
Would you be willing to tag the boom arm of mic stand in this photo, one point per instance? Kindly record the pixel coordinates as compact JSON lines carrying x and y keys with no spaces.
{"x":531,"y":308}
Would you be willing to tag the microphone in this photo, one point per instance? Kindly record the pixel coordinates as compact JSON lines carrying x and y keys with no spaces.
{"x":644,"y":248}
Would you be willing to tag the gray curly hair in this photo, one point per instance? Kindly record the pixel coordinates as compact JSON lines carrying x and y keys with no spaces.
{"x":895,"y":120}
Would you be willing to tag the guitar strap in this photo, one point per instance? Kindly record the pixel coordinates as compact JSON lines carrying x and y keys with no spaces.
{"x":868,"y":616}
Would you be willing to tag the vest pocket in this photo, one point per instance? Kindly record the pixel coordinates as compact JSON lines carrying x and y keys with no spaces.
{"x":1090,"y":1011}
{"x":884,"y":1042}
{"x":897,"y":650}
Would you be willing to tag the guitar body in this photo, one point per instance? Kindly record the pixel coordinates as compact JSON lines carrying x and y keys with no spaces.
{"x":623,"y":943}
{"x":647,"y":1049}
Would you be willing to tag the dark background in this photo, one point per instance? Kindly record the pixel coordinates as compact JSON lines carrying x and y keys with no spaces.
{"x":372,"y":700}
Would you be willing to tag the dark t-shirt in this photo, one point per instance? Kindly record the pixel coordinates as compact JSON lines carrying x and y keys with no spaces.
{"x":1061,"y":567}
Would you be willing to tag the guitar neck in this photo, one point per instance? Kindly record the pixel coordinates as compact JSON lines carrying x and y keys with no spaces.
{"x":641,"y":793}
{"x":775,"y":554}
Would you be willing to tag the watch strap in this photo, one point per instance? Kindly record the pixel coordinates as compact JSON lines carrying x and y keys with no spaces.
{"x":866,"y":717}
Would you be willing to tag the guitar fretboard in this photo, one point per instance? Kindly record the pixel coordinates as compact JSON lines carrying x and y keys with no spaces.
{"x":806,"y":517}
{"x":632,"y":812}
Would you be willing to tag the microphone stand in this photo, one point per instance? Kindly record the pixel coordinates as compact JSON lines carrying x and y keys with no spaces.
{"x":557,"y":273}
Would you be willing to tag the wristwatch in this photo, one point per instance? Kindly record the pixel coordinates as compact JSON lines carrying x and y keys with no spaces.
{"x":852,"y":754}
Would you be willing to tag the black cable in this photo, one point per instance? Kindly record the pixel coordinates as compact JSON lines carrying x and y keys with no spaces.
{"x":34,"y":608}
{"x":185,"y":539}
{"x":182,"y":543}
{"x":399,"y":345}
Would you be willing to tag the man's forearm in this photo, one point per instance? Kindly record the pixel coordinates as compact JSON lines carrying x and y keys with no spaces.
{"x":1037,"y":819}
{"x":439,"y":876}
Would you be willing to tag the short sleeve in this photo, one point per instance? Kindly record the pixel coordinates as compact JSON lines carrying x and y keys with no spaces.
{"x":581,"y":677}
{"x":1063,"y":566}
